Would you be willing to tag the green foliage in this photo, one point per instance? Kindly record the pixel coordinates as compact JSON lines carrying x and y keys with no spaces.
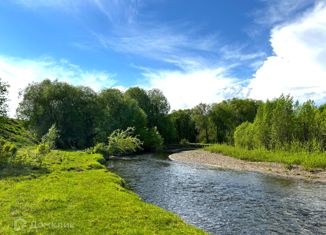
{"x":142,"y":99}
{"x":282,"y":121}
{"x":3,"y":98}
{"x":118,"y":112}
{"x":158,"y":116}
{"x":43,"y":149}
{"x":51,"y":137}
{"x":83,"y":117}
{"x":15,"y":131}
{"x":184,"y":141}
{"x":227,"y":115}
{"x":309,"y":160}
{"x":200,"y":115}
{"x":151,"y":138}
{"x":184,"y":125}
{"x":100,"y":148}
{"x":72,"y":194}
{"x":8,"y":152}
{"x":72,"y":109}
{"x":243,"y":135}
{"x":123,"y":142}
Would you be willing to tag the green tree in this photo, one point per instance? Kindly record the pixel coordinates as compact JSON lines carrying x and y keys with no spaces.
{"x":118,"y":112}
{"x":3,"y":98}
{"x":184,"y":125}
{"x":262,"y":125}
{"x":158,"y":116}
{"x":72,"y":109}
{"x":151,"y":138}
{"x":223,"y":119}
{"x":200,"y":115}
{"x":142,"y":99}
{"x":282,"y":127}
{"x":243,"y":135}
{"x":322,"y":128}
{"x":229,"y":114}
{"x":51,"y":137}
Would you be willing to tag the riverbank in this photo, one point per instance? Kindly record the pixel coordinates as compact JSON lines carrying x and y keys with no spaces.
{"x":270,"y":168}
{"x":73,"y":193}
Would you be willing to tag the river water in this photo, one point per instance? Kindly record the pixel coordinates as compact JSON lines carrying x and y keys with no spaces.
{"x":226,"y":201}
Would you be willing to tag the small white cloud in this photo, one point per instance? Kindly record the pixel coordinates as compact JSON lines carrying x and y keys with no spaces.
{"x":298,"y":66}
{"x":171,"y":44}
{"x":187,"y":89}
{"x":18,"y":73}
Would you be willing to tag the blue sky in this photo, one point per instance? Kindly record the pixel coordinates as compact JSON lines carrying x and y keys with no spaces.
{"x":194,"y":51}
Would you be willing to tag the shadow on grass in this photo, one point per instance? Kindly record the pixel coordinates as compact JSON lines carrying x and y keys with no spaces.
{"x":9,"y":170}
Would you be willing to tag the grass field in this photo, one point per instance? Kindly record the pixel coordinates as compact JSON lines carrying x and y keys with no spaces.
{"x":307,"y":160}
{"x":14,"y":131}
{"x":73,"y":193}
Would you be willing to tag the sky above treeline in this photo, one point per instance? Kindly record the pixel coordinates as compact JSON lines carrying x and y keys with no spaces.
{"x":194,"y":51}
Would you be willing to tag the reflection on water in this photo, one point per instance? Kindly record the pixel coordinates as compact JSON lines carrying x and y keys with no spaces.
{"x":225,"y":201}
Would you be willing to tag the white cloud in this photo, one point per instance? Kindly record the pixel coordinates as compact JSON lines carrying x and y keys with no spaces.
{"x":187,"y":89}
{"x":298,"y":66}
{"x":18,"y":73}
{"x":175,"y":44}
{"x":278,"y":11}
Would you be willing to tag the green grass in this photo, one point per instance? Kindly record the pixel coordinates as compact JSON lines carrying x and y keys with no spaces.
{"x":73,"y":193}
{"x":14,"y":131}
{"x":307,"y":160}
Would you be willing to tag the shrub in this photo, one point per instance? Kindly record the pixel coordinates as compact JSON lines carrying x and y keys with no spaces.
{"x":8,"y":152}
{"x":123,"y":142}
{"x":243,"y":135}
{"x":43,"y":149}
{"x":51,"y":137}
{"x":152,"y":140}
{"x":184,"y":142}
{"x":101,"y":148}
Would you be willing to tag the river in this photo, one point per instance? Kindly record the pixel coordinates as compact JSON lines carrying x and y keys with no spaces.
{"x":225,"y":201}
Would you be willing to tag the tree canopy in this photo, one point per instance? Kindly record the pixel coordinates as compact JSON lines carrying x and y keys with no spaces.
{"x":84,"y":118}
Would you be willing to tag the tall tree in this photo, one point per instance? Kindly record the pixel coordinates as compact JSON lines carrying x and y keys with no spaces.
{"x":282,"y":122}
{"x":118,"y":112}
{"x":158,"y":116}
{"x":142,"y":99}
{"x":72,"y":109}
{"x":184,"y":124}
{"x":3,"y":98}
{"x":200,"y":115}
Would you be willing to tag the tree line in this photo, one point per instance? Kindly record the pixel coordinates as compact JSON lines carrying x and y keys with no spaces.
{"x":285,"y":124}
{"x":84,"y":118}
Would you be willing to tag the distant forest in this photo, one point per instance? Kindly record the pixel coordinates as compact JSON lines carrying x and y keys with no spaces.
{"x":84,"y":118}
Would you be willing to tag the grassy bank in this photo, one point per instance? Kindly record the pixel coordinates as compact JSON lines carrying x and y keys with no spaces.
{"x":14,"y":131}
{"x":305,"y":159}
{"x":72,"y":193}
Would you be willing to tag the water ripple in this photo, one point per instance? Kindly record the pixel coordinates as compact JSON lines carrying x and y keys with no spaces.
{"x":224,"y":201}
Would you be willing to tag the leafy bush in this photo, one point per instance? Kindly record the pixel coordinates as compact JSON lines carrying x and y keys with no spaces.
{"x":184,"y":141}
{"x":101,"y":148}
{"x":43,"y":149}
{"x":8,"y":152}
{"x":51,"y":137}
{"x":123,"y":142}
{"x":243,"y":135}
{"x":152,"y":139}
